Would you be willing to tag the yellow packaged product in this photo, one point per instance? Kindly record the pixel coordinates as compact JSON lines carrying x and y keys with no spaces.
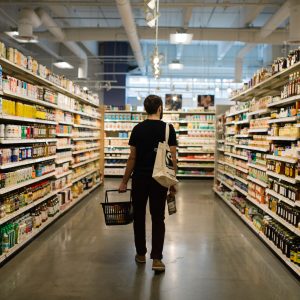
{"x":12,"y":108}
{"x":10,"y":54}
{"x":35,"y":66}
{"x":77,"y":119}
{"x":33,"y":111}
{"x":27,"y":111}
{"x":2,"y":50}
{"x":19,"y":109}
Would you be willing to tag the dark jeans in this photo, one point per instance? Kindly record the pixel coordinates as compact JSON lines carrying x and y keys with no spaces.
{"x":144,"y":187}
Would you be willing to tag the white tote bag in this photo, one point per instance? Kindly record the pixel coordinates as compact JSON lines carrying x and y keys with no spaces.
{"x":163,"y":171}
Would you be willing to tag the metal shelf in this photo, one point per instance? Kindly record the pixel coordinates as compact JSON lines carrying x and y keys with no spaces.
{"x":50,"y":220}
{"x":224,"y":183}
{"x":28,"y":99}
{"x":27,"y":75}
{"x":245,"y":193}
{"x":117,"y":157}
{"x":252,"y":148}
{"x":259,"y":112}
{"x":283,"y":158}
{"x":86,"y":126}
{"x":265,"y":208}
{"x":237,"y":156}
{"x":26,"y":141}
{"x":286,"y":101}
{"x":57,"y":176}
{"x":26,"y":120}
{"x":195,"y":175}
{"x":63,"y":160}
{"x":281,"y":138}
{"x":259,"y":89}
{"x":25,"y":183}
{"x":21,"y":210}
{"x":86,"y":139}
{"x":64,"y":147}
{"x":257,"y":181}
{"x":84,"y":162}
{"x":258,"y":130}
{"x":26,"y":162}
{"x":64,"y":134}
{"x":259,"y":167}
{"x":282,"y":177}
{"x":86,"y":150}
{"x":238,"y":112}
{"x":241,"y":180}
{"x":283,"y":120}
{"x":84,"y":175}
{"x":277,"y":251}
{"x":65,"y":123}
{"x":282,"y":198}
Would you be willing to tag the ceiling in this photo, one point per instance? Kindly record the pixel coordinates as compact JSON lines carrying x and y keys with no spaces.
{"x":232,"y":38}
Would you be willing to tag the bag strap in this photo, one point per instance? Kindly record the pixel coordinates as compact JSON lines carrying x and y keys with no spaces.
{"x":167,"y":133}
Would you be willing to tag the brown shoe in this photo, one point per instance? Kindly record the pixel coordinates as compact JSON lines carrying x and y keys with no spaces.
{"x":158,"y":265}
{"x":141,"y":259}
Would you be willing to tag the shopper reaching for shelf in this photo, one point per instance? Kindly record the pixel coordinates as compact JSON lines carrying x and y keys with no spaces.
{"x":143,"y":143}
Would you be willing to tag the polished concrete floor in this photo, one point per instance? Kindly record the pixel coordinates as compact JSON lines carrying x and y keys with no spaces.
{"x":209,"y":254}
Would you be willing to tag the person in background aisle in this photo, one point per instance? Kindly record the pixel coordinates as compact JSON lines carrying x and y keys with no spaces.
{"x":143,"y":143}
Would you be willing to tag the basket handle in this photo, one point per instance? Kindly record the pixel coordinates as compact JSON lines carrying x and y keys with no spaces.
{"x":109,"y":191}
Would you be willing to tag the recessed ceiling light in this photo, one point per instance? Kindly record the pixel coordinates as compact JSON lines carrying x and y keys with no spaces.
{"x":63,"y":65}
{"x":181,"y":38}
{"x":22,"y":39}
{"x":175,"y":65}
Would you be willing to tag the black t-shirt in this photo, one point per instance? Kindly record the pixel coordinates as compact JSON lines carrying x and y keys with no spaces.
{"x":145,"y":137}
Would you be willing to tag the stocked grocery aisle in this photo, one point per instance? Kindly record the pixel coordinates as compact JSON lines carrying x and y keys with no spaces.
{"x":209,"y":254}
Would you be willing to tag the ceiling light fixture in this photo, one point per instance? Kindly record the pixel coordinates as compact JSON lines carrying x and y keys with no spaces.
{"x":152,"y":15}
{"x":63,"y":65}
{"x":21,"y":39}
{"x":151,"y":4}
{"x":151,"y":12}
{"x":181,"y":38}
{"x":175,"y":65}
{"x":229,"y":90}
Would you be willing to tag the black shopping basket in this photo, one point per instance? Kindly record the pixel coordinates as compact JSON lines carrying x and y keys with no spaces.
{"x":117,"y":213}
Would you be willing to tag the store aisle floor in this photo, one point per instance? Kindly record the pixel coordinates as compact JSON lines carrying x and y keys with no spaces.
{"x":209,"y":254}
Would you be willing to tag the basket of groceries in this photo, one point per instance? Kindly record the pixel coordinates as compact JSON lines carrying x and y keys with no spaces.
{"x":117,"y":213}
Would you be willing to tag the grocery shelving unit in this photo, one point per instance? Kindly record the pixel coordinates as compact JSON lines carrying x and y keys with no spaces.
{"x":268,"y":145}
{"x":62,"y":178}
{"x":195,"y":135}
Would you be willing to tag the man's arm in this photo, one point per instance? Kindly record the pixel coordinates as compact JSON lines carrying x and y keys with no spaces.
{"x":129,"y":169}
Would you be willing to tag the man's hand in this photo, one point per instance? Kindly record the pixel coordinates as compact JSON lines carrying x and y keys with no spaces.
{"x":122,"y":187}
{"x":173,"y":190}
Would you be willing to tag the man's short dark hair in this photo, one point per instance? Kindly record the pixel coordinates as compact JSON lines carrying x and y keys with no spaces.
{"x":152,"y":103}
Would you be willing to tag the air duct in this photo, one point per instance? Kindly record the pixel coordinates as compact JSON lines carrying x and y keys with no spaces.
{"x":294,"y":33}
{"x":28,"y":20}
{"x":60,"y":36}
{"x":126,"y":15}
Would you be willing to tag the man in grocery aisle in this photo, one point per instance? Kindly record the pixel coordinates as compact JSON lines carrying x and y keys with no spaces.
{"x":143,"y":143}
